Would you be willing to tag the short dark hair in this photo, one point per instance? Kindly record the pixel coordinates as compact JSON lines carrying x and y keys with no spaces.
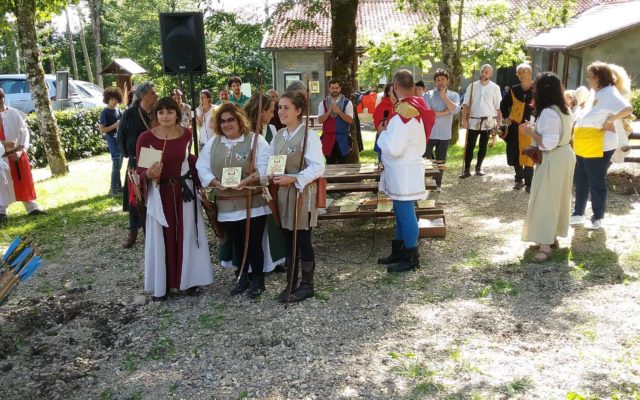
{"x":440,"y":72}
{"x":223,"y":89}
{"x":299,"y":101}
{"x":603,"y":72}
{"x":234,"y":79}
{"x":334,"y":81}
{"x":420,"y":83}
{"x":404,"y":79}
{"x":251,"y":108}
{"x":166,"y":103}
{"x":238,"y":114}
{"x":207,"y":93}
{"x":112,"y":92}
{"x":548,"y":91}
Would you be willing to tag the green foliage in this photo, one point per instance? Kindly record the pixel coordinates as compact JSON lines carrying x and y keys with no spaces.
{"x":635,"y":102}
{"x":78,"y":133}
{"x":397,"y":51}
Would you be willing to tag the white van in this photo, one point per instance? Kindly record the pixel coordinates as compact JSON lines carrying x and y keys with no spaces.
{"x":18,"y":95}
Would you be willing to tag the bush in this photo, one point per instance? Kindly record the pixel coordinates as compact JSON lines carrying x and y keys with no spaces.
{"x":79,"y":135}
{"x":635,"y":102}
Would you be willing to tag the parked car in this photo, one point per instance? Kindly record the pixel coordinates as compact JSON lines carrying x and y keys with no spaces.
{"x":18,"y":95}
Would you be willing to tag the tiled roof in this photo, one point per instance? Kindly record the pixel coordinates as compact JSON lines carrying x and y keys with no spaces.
{"x":376,"y":19}
{"x":596,"y":23}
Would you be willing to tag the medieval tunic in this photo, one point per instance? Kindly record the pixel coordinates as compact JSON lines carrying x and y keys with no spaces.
{"x":290,"y":144}
{"x":550,"y":201}
{"x":517,"y":106}
{"x":335,"y":130}
{"x":176,"y":253}
{"x":220,"y":152}
{"x":19,"y":182}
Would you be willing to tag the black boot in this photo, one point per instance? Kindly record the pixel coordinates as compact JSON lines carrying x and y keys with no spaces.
{"x":409,"y":261}
{"x":257,"y":286}
{"x":242,"y":284}
{"x":465,"y":174}
{"x":292,"y":277}
{"x":396,"y":252}
{"x":305,"y":290}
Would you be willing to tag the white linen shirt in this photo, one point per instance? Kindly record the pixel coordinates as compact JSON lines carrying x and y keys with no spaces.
{"x":314,"y":159}
{"x":486,"y":103}
{"x":206,"y":175}
{"x":608,"y":101}
{"x":549,"y":125}
{"x":206,"y":129}
{"x":402,"y":146}
{"x":15,"y":127}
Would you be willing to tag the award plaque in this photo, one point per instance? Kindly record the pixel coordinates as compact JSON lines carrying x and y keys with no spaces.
{"x":231,"y":176}
{"x":276,"y":165}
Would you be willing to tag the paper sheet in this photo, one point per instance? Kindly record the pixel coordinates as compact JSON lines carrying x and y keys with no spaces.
{"x":149,"y":156}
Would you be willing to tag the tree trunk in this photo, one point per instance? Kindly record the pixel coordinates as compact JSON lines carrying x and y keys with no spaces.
{"x":94,"y":14}
{"x":345,"y":65}
{"x":25,"y":11}
{"x":83,"y":43}
{"x":72,"y":49}
{"x":450,"y":55}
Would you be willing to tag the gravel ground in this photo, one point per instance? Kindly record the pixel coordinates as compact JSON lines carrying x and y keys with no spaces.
{"x":477,"y":321}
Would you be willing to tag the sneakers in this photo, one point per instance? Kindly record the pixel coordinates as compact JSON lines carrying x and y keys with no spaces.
{"x":37,"y":212}
{"x":518,"y":185}
{"x":594,"y":225}
{"x":576,"y":220}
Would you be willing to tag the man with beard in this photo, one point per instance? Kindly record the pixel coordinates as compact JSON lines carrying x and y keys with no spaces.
{"x":237,"y":97}
{"x":517,"y":105}
{"x":336,"y":115}
{"x":445,"y":103}
{"x":135,"y":120}
{"x":480,"y":114}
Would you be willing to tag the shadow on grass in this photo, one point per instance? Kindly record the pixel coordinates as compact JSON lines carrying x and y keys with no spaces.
{"x":49,"y":232}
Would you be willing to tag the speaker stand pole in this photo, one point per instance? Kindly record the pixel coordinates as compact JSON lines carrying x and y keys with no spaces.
{"x":196,"y":143}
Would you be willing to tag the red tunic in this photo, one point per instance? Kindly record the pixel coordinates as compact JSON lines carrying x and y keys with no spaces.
{"x":173,"y":157}
{"x":23,"y":186}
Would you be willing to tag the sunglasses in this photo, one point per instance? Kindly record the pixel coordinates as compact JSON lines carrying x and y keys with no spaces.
{"x":227,"y":121}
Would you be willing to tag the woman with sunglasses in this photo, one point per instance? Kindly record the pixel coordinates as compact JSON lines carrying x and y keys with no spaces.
{"x":176,"y":254}
{"x":233,"y":147}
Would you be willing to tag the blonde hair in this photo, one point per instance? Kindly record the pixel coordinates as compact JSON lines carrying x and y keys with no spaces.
{"x":622,"y":80}
{"x":582,"y":95}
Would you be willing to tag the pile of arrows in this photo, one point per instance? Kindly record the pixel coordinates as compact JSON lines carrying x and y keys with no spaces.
{"x":17,"y":265}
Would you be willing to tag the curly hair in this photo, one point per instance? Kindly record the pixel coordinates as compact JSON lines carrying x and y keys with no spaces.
{"x":548,"y":91}
{"x":237,"y":113}
{"x":112,"y":92}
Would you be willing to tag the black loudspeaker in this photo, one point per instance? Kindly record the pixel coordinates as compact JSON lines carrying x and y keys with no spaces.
{"x":182,"y":37}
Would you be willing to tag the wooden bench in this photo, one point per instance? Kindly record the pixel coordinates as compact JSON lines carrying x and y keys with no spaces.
{"x":369,"y":211}
{"x":362,"y":172}
{"x":634,"y":156}
{"x":370,"y":186}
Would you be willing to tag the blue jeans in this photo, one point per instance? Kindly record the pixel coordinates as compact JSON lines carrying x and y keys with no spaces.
{"x":116,"y":159}
{"x":406,"y":223}
{"x":590,"y":176}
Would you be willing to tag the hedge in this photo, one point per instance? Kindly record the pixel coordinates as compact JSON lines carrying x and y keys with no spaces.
{"x":635,"y":102}
{"x":79,"y":135}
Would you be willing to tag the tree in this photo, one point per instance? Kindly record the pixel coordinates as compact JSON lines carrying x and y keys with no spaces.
{"x":95,"y":7}
{"x":72,"y":49}
{"x":343,"y":15}
{"x":83,"y":43}
{"x":26,"y":13}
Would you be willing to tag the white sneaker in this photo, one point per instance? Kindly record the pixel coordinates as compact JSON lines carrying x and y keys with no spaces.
{"x":594,"y":225}
{"x":576,"y":220}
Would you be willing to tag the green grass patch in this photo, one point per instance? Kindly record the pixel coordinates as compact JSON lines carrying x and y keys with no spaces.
{"x":211,"y":322}
{"x":517,"y":386}
{"x":414,"y":371}
{"x":129,"y":363}
{"x":497,"y":286}
{"x":162,"y":349}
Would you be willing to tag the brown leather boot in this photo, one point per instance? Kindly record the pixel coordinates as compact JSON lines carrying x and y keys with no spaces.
{"x":305,"y":290}
{"x":131,"y":239}
{"x":292,"y":276}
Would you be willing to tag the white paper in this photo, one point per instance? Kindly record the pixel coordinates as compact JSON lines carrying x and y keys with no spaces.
{"x":149,"y":156}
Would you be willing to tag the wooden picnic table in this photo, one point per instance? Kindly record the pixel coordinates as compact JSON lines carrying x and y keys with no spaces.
{"x":361,"y":172}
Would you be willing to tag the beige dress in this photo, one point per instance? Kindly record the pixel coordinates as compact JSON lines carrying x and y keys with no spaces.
{"x":550,"y":201}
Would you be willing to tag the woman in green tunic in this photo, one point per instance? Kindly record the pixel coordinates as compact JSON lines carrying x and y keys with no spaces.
{"x":550,"y":202}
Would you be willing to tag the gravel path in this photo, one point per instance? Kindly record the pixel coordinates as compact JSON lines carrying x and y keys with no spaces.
{"x":477,"y":321}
